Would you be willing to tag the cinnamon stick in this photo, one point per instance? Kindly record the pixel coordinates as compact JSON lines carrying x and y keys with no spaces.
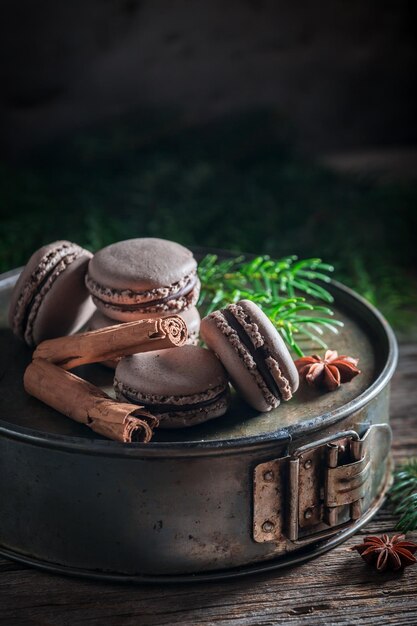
{"x":112,"y":342}
{"x":87,"y":404}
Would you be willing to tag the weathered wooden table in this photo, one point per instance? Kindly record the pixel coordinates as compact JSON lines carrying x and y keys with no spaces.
{"x":335,"y":588}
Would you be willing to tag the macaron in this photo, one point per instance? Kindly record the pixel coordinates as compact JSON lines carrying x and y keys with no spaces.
{"x":137,"y":277}
{"x":181,"y":386}
{"x":50,"y":298}
{"x":253,"y":352}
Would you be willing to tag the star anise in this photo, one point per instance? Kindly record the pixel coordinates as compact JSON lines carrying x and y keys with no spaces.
{"x":328,"y":372}
{"x":387,"y":553}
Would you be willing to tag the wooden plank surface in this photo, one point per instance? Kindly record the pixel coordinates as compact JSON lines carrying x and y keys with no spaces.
{"x":335,"y":588}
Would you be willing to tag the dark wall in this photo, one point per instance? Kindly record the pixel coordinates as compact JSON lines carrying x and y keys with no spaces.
{"x":339,"y":73}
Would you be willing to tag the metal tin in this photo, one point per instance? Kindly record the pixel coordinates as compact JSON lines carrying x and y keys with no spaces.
{"x":184,"y":507}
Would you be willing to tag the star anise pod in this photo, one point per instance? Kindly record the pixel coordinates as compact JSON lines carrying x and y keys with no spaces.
{"x":387,"y":553}
{"x":328,"y":372}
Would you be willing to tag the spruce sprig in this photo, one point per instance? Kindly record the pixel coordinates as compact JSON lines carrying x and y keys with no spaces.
{"x":404,"y":495}
{"x":275,"y":285}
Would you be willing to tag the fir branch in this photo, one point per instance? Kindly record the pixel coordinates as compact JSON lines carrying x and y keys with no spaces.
{"x":404,"y":495}
{"x":276,"y":286}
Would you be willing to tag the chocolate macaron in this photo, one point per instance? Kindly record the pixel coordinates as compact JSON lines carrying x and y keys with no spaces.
{"x":181,"y":386}
{"x":137,"y":277}
{"x":253,"y":352}
{"x":50,"y":298}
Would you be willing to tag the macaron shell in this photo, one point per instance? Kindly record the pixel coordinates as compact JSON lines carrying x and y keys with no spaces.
{"x":173,"y":373}
{"x":273,"y":341}
{"x":67,"y":306}
{"x":141,"y":264}
{"x":99,"y":320}
{"x":242,"y":378}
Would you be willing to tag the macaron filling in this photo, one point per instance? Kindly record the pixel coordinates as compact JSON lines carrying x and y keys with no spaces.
{"x":161,"y":408}
{"x":246,"y":339}
{"x":129,"y":300}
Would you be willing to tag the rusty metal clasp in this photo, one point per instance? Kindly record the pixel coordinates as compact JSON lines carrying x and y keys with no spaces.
{"x":321,"y":487}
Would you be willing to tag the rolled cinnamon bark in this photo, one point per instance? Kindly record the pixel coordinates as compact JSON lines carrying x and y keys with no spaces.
{"x":114,"y":341}
{"x":85,"y":403}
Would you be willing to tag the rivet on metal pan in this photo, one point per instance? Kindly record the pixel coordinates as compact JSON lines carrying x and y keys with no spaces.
{"x":308,"y":513}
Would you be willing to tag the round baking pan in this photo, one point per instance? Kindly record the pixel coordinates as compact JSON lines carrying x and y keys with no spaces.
{"x":181,"y":507}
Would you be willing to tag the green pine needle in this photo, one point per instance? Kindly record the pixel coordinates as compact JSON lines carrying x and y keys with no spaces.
{"x":404,"y":495}
{"x":275,"y":285}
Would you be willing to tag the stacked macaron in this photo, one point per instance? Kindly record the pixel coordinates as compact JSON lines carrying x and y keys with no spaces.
{"x":142,"y":278}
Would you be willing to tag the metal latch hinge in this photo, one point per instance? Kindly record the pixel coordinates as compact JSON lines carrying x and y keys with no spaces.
{"x":320,"y":486}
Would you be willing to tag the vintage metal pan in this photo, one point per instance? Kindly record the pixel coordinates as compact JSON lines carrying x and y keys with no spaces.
{"x":244,"y":493}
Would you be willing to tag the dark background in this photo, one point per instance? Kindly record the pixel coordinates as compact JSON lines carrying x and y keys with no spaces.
{"x":271,"y":127}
